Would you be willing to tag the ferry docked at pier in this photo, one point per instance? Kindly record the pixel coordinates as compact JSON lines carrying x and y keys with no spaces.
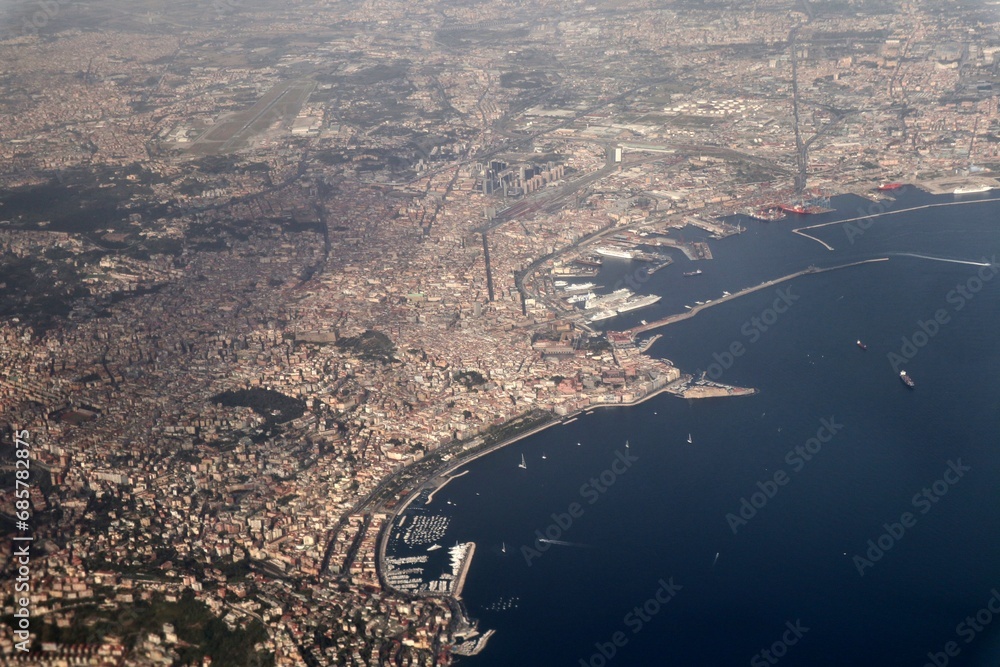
{"x":577,"y":298}
{"x":602,"y":315}
{"x":972,"y":189}
{"x":638,"y":302}
{"x":620,"y":253}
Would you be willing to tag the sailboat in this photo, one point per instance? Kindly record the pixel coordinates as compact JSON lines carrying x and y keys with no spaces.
{"x":522,"y":464}
{"x":689,"y":439}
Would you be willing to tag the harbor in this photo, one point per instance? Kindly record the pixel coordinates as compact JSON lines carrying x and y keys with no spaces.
{"x":801,"y":231}
{"x":678,"y":317}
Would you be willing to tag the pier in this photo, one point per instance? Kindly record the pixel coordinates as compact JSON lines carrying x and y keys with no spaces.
{"x":443,"y":484}
{"x":764,"y":285}
{"x":463,"y":569}
{"x":801,"y":231}
{"x":689,"y":387}
{"x":693,"y":251}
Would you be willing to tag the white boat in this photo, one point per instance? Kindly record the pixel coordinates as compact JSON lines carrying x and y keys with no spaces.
{"x":544,"y":457}
{"x":577,"y":287}
{"x":434,"y":547}
{"x":576,"y":298}
{"x":972,"y":189}
{"x":602,"y":315}
{"x":688,"y":307}
{"x":614,"y":252}
{"x":689,"y":438}
{"x":638,"y":302}
{"x":522,"y":464}
{"x":503,"y":547}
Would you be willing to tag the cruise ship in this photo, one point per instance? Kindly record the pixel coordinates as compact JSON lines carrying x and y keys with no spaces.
{"x":972,"y":189}
{"x":602,"y":315}
{"x":614,"y":252}
{"x":577,"y":298}
{"x":608,"y":300}
{"x":638,"y":302}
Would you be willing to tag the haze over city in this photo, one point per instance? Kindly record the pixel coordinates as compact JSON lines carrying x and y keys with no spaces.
{"x":332,"y":331}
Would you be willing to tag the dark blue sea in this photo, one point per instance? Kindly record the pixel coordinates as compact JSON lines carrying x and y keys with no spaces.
{"x":835,"y":518}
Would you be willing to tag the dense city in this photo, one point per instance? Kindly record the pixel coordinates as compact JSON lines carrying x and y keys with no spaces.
{"x":267,"y":268}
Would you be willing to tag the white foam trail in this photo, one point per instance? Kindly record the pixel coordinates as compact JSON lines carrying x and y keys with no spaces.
{"x":561,"y":543}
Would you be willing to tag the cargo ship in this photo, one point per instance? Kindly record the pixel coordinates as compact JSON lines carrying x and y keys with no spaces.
{"x":808,"y":206}
{"x":907,"y":380}
{"x":889,"y":186}
{"x":607,"y":251}
{"x":638,"y":302}
{"x":803,"y":209}
{"x":688,"y":274}
{"x":766,"y":214}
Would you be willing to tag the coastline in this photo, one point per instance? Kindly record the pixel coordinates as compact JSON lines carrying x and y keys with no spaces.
{"x":461,"y":460}
{"x":447,"y":480}
{"x":677,"y":388}
{"x":442,"y":477}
